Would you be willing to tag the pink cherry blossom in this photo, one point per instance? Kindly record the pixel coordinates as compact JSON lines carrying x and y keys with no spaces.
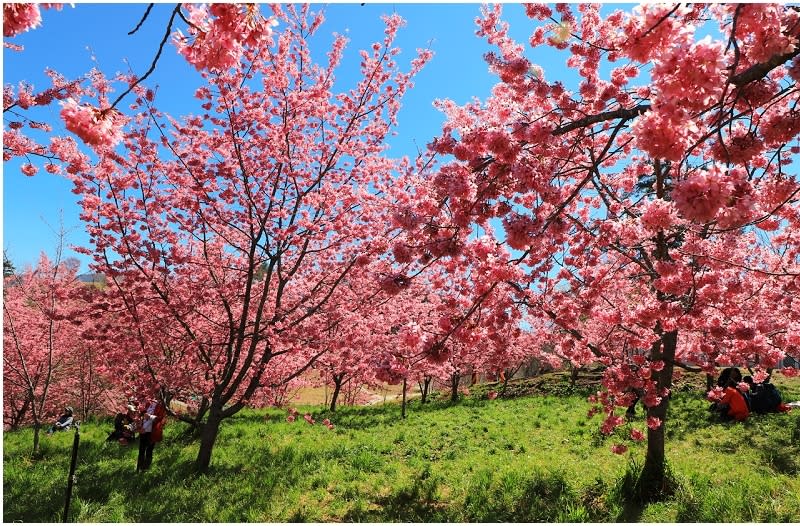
{"x":20,"y":17}
{"x":665,"y":133}
{"x":97,"y":128}
{"x":637,"y":435}
{"x":701,"y":195}
{"x":760,"y":376}
{"x":220,"y":33}
{"x":610,"y":423}
{"x":29,"y":169}
{"x":659,"y":215}
{"x":619,"y":449}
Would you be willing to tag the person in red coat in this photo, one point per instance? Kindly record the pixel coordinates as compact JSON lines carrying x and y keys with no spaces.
{"x":151,"y":431}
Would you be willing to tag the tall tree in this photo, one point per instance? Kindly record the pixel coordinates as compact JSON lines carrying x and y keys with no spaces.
{"x":224,"y":233}
{"x":41,"y":309}
{"x":649,"y":207}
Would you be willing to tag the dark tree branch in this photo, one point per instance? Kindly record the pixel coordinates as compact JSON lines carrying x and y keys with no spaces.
{"x":144,"y":17}
{"x":663,"y":19}
{"x":622,"y":113}
{"x":155,"y":59}
{"x":758,"y":71}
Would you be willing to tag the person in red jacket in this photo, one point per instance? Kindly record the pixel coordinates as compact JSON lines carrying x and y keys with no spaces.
{"x":733,"y":406}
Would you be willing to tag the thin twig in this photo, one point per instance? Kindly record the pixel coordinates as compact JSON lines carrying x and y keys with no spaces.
{"x":155,"y":60}
{"x":144,"y":17}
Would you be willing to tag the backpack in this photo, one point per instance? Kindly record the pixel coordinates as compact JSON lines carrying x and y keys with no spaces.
{"x":765,"y":398}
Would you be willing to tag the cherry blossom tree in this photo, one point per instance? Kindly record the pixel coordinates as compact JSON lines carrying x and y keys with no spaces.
{"x":223,"y":234}
{"x":346,"y":366}
{"x":41,"y":312}
{"x":649,"y":206}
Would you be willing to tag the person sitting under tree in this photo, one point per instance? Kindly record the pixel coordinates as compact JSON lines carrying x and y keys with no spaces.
{"x":764,"y":397}
{"x":63,"y":423}
{"x":124,"y":427}
{"x":732,"y":405}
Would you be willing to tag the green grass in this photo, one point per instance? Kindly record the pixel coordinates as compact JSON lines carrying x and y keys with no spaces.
{"x":524,"y":459}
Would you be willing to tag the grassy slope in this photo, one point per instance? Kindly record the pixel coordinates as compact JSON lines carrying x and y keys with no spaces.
{"x":522,"y":459}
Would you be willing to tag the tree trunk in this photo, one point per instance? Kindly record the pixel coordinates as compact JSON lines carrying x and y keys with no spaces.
{"x":36,"y":428}
{"x":208,"y":436}
{"x":653,"y":482}
{"x":573,"y":375}
{"x":506,"y":377}
{"x":454,"y":387}
{"x":425,"y":387}
{"x":36,"y":414}
{"x":337,"y":387}
{"x":403,"y":410}
{"x":709,"y":382}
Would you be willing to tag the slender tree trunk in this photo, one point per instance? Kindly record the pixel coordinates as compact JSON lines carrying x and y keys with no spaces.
{"x":709,"y":382}
{"x":337,"y":387}
{"x":36,"y":413}
{"x":425,"y":387}
{"x":208,"y":436}
{"x":454,"y":380}
{"x":36,"y":432}
{"x":403,"y":410}
{"x":653,"y":480}
{"x":573,"y":375}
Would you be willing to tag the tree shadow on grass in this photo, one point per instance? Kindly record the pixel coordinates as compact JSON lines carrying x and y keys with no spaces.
{"x":416,"y":502}
{"x":224,"y":488}
{"x":777,"y":437}
{"x":145,"y":494}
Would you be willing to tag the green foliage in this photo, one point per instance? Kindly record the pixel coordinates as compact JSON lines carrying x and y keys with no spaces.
{"x":524,"y":459}
{"x":8,"y":266}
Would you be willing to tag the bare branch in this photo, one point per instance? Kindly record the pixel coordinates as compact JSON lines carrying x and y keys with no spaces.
{"x":155,"y":59}
{"x":144,"y":17}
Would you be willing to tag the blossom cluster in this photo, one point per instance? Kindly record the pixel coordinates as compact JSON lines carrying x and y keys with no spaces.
{"x":97,"y":128}
{"x":20,"y":17}
{"x":219,"y":42}
{"x":700,"y":196}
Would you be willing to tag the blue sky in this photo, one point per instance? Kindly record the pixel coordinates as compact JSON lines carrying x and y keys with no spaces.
{"x":74,"y":40}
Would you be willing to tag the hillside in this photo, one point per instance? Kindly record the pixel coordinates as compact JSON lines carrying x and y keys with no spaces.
{"x":533,"y":457}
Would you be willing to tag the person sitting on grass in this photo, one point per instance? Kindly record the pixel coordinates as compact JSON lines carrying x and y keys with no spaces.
{"x":124,"y":425}
{"x":732,"y":405}
{"x":764,"y":397}
{"x":63,"y":423}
